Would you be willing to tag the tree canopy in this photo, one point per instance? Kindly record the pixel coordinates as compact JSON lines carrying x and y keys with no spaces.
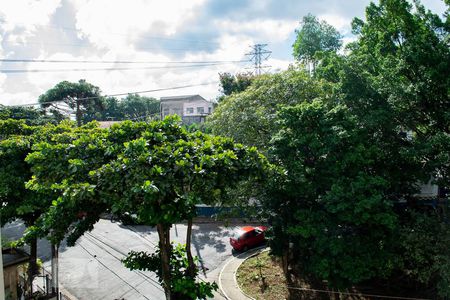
{"x":315,"y":36}
{"x":133,"y":106}
{"x":250,"y":116}
{"x":82,"y":96}
{"x":31,"y":115}
{"x":353,"y":143}
{"x":235,"y":83}
{"x":158,"y":171}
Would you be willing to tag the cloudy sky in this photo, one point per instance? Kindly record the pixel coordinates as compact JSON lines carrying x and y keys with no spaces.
{"x":172,"y":40}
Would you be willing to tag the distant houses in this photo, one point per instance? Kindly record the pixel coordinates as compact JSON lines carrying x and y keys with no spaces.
{"x":191,"y":108}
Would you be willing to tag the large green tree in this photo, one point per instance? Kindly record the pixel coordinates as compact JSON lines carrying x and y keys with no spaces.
{"x":158,"y":171}
{"x":31,"y":115}
{"x":250,"y":116}
{"x":396,"y":82}
{"x":315,"y":36}
{"x":334,"y":201}
{"x":18,"y":202}
{"x":401,"y":62}
{"x":361,"y":143}
{"x":237,"y":83}
{"x":133,"y":106}
{"x":81,"y":96}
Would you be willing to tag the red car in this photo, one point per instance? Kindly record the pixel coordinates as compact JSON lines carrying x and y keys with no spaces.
{"x":248,"y":237}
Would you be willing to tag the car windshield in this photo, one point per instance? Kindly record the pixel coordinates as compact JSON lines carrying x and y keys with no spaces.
{"x":237,"y":233}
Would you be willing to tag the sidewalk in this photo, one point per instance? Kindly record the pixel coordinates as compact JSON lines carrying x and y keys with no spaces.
{"x":227,"y":278}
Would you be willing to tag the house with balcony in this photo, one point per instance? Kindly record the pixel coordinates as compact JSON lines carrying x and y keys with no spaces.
{"x":191,"y":108}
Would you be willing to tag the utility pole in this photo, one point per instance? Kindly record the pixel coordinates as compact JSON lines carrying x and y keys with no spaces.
{"x":257,"y":56}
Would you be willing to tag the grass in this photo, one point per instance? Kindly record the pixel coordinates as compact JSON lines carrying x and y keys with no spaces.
{"x":261,"y":277}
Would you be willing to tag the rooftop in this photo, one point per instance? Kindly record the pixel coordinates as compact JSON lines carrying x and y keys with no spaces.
{"x":182,"y":97}
{"x":13,"y":257}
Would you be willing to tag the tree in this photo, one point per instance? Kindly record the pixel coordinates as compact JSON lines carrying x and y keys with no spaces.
{"x":157,"y":171}
{"x":334,"y":202}
{"x":32,"y":116}
{"x":82,"y":96}
{"x":250,"y":116}
{"x":19,"y":202}
{"x":405,"y":57}
{"x":315,"y":36}
{"x":234,"y":83}
{"x":133,"y":106}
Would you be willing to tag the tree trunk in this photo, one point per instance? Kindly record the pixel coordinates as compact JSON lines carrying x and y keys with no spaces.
{"x":191,"y":265}
{"x":55,"y":285}
{"x":78,"y":113}
{"x":165,"y":249}
{"x":32,"y":265}
{"x":285,"y":258}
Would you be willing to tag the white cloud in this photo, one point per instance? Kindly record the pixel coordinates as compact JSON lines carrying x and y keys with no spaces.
{"x":273,"y":30}
{"x":119,"y":23}
{"x":341,"y":23}
{"x":26,"y":14}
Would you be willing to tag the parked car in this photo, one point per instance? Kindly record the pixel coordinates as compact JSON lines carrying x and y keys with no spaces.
{"x":247,"y":237}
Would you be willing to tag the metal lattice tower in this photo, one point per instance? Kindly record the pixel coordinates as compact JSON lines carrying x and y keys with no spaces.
{"x":257,"y":56}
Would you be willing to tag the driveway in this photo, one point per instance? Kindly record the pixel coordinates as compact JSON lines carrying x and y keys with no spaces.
{"x":92,"y":268}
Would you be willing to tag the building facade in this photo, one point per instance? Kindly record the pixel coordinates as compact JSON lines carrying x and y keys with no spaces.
{"x":191,"y":108}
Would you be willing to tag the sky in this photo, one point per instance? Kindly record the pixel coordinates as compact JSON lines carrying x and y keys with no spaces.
{"x":173,"y":43}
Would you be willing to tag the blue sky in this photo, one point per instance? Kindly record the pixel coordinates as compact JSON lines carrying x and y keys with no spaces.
{"x":152,"y":30}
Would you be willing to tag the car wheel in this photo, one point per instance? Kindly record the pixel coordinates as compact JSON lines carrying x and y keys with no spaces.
{"x":245,"y":248}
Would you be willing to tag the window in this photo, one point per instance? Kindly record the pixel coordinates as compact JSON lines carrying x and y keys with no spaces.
{"x":165,"y":111}
{"x":209,"y":110}
{"x":190,"y":110}
{"x":200,"y":110}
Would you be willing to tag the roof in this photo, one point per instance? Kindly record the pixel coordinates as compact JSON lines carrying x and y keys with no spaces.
{"x":12,"y":257}
{"x":107,"y":124}
{"x":182,"y":97}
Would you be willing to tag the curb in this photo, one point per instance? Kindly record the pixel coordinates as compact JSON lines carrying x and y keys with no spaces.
{"x":259,"y":251}
{"x":247,"y":255}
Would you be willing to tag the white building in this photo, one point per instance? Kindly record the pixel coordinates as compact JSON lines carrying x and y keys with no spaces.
{"x":191,"y":108}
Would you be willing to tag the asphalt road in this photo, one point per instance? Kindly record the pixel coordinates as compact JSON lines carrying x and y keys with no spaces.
{"x":92,"y":268}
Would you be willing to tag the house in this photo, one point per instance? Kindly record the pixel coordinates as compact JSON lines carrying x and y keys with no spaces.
{"x":191,"y":108}
{"x":15,"y":276}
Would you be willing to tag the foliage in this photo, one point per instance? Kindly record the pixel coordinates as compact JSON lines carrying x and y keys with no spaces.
{"x":32,"y":116}
{"x":250,"y":116}
{"x":235,"y":83}
{"x":184,"y":286}
{"x":133,"y":106}
{"x":424,"y":243}
{"x":399,"y":68}
{"x":82,"y":96}
{"x":158,"y":171}
{"x":315,"y":36}
{"x":372,"y":127}
{"x":342,"y":222}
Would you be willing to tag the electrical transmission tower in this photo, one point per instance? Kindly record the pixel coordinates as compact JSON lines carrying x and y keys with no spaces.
{"x":257,"y":56}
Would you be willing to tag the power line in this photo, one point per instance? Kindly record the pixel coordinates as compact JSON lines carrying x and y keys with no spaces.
{"x":109,"y":269}
{"x":14,"y":71}
{"x":118,"y":61}
{"x":353,"y":294}
{"x":119,"y":94}
{"x":96,"y":241}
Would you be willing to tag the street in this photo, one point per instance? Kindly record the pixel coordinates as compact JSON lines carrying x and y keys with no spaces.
{"x":92,"y":268}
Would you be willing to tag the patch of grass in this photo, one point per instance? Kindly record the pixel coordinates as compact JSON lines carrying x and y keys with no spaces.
{"x":262,"y":278}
